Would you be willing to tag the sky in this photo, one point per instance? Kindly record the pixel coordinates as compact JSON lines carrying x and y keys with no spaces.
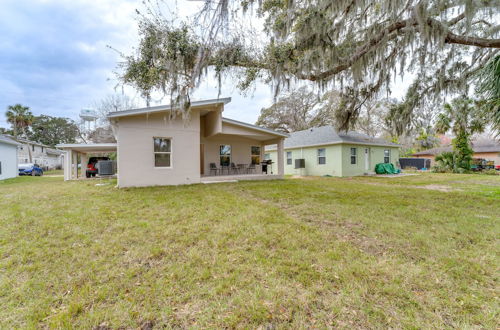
{"x":55,"y":57}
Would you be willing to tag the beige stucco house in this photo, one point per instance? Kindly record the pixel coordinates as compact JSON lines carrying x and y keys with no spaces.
{"x":155,"y":149}
{"x":489,"y":150}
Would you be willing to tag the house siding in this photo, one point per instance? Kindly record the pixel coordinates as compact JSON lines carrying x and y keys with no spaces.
{"x":338,"y":160}
{"x":136,"y":156}
{"x":8,"y":160}
{"x":376,"y":156}
{"x":332,"y":167}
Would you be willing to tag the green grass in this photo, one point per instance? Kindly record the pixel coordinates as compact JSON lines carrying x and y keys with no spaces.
{"x":315,"y":252}
{"x":53,"y":172}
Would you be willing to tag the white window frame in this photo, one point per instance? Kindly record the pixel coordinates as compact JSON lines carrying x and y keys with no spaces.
{"x":253,"y":155}
{"x":355,"y":155}
{"x":289,"y":159}
{"x":388,"y":156}
{"x":319,"y":156}
{"x":230,"y":154}
{"x":162,"y":152}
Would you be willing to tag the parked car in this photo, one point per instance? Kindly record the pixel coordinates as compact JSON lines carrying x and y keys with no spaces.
{"x":91,"y":166}
{"x":30,"y":169}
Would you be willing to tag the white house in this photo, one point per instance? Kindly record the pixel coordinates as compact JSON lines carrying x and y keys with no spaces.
{"x":45,"y":156}
{"x":154,"y":149}
{"x":8,"y":157}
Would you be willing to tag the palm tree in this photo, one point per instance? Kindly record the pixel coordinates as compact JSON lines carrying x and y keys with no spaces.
{"x":19,"y":117}
{"x":464,"y":118}
{"x":489,"y":90}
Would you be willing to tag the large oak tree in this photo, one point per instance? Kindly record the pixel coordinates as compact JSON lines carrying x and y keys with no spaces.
{"x":359,"y":46}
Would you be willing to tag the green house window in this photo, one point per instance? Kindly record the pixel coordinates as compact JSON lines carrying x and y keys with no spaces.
{"x":387,"y":156}
{"x":322,"y":156}
{"x":354,"y":155}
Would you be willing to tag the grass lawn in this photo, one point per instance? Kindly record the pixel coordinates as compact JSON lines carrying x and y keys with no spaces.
{"x":53,"y":172}
{"x":409,"y":252}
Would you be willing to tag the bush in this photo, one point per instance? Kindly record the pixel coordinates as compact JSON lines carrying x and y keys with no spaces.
{"x":491,"y":172}
{"x":451,"y":162}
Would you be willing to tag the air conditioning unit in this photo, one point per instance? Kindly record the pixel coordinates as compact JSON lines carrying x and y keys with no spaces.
{"x":300,"y":163}
{"x":105,"y":167}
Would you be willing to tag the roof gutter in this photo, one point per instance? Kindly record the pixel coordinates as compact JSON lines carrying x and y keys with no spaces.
{"x":344,"y":142}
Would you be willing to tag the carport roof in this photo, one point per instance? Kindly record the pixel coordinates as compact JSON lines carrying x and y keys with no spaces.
{"x":92,"y":147}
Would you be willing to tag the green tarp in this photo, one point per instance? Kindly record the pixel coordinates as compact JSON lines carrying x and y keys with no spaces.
{"x":383,"y":168}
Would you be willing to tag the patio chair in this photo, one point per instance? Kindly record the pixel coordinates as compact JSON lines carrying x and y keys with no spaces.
{"x":214,"y":169}
{"x":224,"y":168}
{"x":234,"y":168}
{"x":251,"y":168}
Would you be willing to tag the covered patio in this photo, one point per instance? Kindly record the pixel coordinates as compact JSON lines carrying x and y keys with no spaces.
{"x":235,"y":151}
{"x":78,"y":154}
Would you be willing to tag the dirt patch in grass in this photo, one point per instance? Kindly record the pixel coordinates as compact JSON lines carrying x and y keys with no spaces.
{"x":344,"y":231}
{"x":438,"y":187}
{"x":483,"y":183}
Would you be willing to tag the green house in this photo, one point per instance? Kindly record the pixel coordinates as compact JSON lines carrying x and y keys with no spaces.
{"x":323,"y":151}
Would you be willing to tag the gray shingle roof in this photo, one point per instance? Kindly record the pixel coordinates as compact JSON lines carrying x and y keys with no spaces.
{"x":325,"y":135}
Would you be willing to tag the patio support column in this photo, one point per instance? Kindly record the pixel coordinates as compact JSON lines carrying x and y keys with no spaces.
{"x":67,"y":165}
{"x":281,"y":157}
{"x":83,"y":161}
{"x":74,"y":163}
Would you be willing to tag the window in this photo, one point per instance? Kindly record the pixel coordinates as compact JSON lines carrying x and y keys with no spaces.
{"x":32,"y":147}
{"x":225,"y":155}
{"x":255,"y":155}
{"x":354,"y":155}
{"x":267,"y":156}
{"x":322,"y":156}
{"x":162,"y":152}
{"x":387,"y":156}
{"x":42,"y":149}
{"x":289,"y":158}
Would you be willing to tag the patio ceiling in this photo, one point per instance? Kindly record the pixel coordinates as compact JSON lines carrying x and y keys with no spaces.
{"x":234,"y":127}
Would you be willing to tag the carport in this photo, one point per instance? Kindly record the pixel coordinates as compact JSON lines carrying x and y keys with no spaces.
{"x":72,"y":151}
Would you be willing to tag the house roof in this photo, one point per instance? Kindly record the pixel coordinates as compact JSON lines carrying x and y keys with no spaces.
{"x":490,"y":147}
{"x":8,"y":140}
{"x":326,"y":135}
{"x":161,"y":108}
{"x":22,"y":141}
{"x":91,"y":147}
{"x":255,"y":127}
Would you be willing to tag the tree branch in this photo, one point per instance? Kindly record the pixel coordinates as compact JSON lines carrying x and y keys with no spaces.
{"x":360,"y":52}
{"x":452,"y":38}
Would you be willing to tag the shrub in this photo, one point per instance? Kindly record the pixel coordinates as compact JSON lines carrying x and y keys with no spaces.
{"x":451,"y":162}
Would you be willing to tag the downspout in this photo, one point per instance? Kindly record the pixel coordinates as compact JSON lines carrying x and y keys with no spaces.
{"x":302,"y":157}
